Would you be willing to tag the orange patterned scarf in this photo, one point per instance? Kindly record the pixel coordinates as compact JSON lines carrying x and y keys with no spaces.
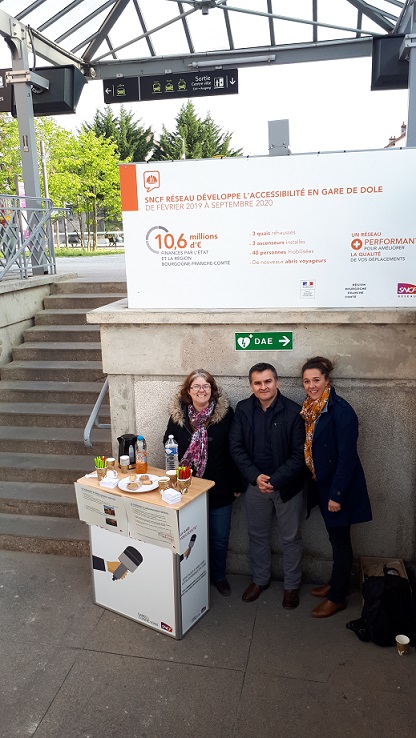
{"x":311,"y":410}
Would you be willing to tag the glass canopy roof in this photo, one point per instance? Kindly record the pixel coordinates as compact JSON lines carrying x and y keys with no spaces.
{"x":96,"y":33}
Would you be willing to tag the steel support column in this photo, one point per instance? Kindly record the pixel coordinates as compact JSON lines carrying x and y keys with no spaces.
{"x":411,"y":115}
{"x":27,"y":136}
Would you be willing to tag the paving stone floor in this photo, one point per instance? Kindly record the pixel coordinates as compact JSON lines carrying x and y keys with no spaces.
{"x":70,"y":669}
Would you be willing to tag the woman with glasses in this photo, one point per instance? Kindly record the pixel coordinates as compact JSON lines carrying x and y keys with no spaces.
{"x":200,"y":422}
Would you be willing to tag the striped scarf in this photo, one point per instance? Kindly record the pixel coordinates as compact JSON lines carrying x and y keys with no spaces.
{"x":196,"y":455}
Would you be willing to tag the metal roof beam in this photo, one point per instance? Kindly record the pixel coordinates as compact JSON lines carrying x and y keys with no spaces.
{"x":288,"y":54}
{"x":144,"y":28}
{"x":228,"y":27}
{"x":304,"y":21}
{"x":271,"y":24}
{"x":28,"y":10}
{"x":59,"y":15}
{"x":187,"y":32}
{"x":85,"y":20}
{"x":375,"y":14}
{"x":315,"y":20}
{"x":149,"y":33}
{"x":404,"y":22}
{"x":104,"y":29}
{"x":11,"y":28}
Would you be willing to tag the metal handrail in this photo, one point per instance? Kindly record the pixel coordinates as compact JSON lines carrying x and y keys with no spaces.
{"x":26,"y":237}
{"x":94,"y":415}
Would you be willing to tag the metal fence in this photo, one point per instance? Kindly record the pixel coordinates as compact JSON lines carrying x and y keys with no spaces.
{"x":26,"y":237}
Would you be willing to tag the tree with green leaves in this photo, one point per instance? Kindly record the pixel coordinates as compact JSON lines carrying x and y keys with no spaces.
{"x":193,"y":138}
{"x":47,"y":130}
{"x":10,"y":157}
{"x":134,"y":141}
{"x":85,"y":174}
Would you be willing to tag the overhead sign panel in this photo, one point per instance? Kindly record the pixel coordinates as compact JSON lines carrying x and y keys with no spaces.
{"x":121,"y":90}
{"x":167,"y":86}
{"x":189,"y":84}
{"x":5,"y":93}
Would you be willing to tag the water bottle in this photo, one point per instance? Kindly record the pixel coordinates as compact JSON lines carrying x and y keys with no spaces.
{"x":132,"y":456}
{"x":171,"y":454}
{"x":141,"y":455}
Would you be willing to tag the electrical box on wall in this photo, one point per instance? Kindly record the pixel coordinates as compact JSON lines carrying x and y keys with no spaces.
{"x":62,"y":97}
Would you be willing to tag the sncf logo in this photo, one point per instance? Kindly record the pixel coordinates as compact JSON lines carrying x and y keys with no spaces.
{"x":166,"y":627}
{"x":404,"y":288}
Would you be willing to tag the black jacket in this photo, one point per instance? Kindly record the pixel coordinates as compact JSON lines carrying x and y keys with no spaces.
{"x":287,"y":440}
{"x":340,"y":476}
{"x":220,"y":466}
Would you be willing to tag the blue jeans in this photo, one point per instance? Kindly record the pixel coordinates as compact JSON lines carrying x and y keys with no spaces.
{"x":219,"y":532}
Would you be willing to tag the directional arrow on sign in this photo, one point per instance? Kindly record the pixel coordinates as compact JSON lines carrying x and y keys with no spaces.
{"x":285,"y":340}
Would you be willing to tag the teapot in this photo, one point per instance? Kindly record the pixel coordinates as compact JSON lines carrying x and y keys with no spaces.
{"x":127,"y":447}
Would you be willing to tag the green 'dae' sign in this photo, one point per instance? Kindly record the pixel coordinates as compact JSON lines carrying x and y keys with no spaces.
{"x":275,"y":341}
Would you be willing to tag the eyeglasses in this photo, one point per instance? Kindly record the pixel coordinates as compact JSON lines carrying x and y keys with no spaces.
{"x":200,"y":387}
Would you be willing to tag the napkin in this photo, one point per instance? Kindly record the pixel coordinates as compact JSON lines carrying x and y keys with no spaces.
{"x":109,"y":482}
{"x":171,"y":496}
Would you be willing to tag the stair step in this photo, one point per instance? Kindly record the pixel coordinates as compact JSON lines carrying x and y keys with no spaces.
{"x":70,"y":350}
{"x":59,"y":468}
{"x":34,"y":498}
{"x":47,"y":394}
{"x":61,"y":317}
{"x":50,"y":392}
{"x":72,"y":285}
{"x":77,"y":301}
{"x":36,"y":534}
{"x":58,"y":414}
{"x":43,"y":333}
{"x":53,"y":440}
{"x":71,"y":371}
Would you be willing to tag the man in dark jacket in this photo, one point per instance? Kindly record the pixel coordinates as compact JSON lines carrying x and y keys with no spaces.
{"x":266,"y":442}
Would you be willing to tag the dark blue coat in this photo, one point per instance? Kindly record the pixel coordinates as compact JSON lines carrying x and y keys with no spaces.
{"x":287,"y":442}
{"x":339,"y":474}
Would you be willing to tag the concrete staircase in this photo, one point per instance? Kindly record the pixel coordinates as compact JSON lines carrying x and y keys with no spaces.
{"x":46,"y":396}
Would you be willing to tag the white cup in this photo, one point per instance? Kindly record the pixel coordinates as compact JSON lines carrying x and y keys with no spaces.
{"x":124,"y":463}
{"x":402,"y":643}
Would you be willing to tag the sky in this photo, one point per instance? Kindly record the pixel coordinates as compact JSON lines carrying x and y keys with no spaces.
{"x":329,"y":105}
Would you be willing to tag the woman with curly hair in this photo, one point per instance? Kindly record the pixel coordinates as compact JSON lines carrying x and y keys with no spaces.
{"x":200,"y":419}
{"x":337,"y":478}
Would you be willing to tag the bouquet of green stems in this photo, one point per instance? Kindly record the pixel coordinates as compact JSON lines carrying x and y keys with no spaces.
{"x":100,"y":462}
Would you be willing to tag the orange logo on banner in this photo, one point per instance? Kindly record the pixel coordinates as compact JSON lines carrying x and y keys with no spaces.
{"x":151,"y":180}
{"x":356,"y":244}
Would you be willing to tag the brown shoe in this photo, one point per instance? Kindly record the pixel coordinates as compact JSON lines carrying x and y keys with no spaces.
{"x":254,"y":591}
{"x":321,"y":591}
{"x":290,"y":598}
{"x":328,"y":608}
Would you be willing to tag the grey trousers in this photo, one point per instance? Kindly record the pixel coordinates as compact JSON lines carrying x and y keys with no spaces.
{"x":259,"y":508}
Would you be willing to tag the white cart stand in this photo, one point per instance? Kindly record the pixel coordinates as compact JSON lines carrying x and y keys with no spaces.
{"x":149,"y":559}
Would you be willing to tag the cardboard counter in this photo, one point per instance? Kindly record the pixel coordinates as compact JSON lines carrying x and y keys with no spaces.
{"x":149,"y":559}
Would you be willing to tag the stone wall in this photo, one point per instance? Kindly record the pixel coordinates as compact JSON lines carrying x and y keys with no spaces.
{"x":146,"y":355}
{"x":20,"y":300}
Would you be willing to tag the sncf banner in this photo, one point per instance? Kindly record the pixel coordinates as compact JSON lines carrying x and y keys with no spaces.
{"x":317,"y":230}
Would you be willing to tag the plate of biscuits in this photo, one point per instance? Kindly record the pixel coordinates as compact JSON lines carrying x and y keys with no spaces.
{"x":139,"y":483}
